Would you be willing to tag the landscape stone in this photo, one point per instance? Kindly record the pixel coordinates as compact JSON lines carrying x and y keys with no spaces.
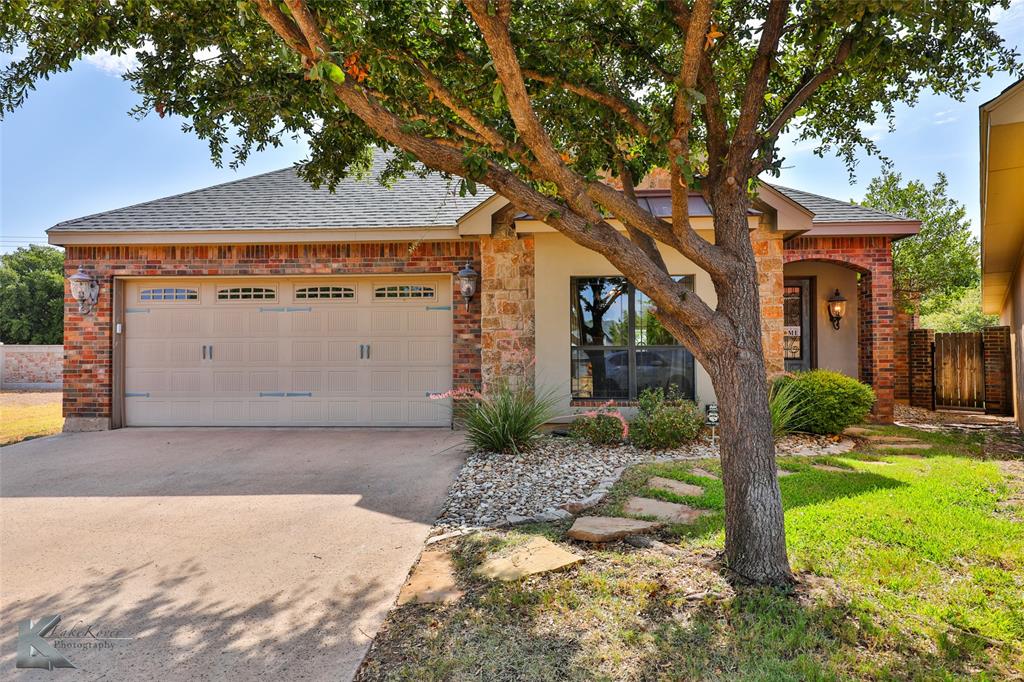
{"x":432,"y":581}
{"x":784,"y":472}
{"x":608,"y":528}
{"x":539,"y":555}
{"x":918,"y":445}
{"x":703,"y":473}
{"x":665,"y":511}
{"x":891,"y":439}
{"x":858,"y":431}
{"x":673,"y":486}
{"x":829,"y":467}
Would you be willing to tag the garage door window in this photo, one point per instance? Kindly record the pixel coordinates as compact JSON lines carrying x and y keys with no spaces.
{"x":246,"y":294}
{"x":324,"y":292}
{"x":169,"y":294}
{"x":404,"y":291}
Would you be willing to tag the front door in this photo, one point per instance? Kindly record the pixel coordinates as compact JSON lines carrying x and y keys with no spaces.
{"x":798,"y":318}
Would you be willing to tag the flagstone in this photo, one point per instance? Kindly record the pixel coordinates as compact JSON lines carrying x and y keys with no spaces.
{"x":539,"y":555}
{"x":664,"y":511}
{"x":673,"y":486}
{"x":608,"y":528}
{"x":432,"y":581}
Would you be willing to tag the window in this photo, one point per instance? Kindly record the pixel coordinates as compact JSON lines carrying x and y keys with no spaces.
{"x":324,"y":292}
{"x":618,"y":347}
{"x":169,"y":294}
{"x":246,"y":294}
{"x":404,"y":291}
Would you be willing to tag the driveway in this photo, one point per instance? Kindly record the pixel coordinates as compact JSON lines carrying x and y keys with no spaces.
{"x":206,"y":554}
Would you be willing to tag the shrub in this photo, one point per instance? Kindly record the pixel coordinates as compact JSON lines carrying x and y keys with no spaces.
{"x":787,"y":405}
{"x":664,"y":422}
{"x":508,"y":419}
{"x":830,"y":401}
{"x":600,"y":427}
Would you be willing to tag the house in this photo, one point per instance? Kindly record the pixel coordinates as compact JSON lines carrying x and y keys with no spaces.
{"x":266,"y":302}
{"x":1002,"y":220}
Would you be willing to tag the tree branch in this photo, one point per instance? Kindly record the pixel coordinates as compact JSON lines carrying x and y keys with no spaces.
{"x":639,"y":237}
{"x":617,"y":104}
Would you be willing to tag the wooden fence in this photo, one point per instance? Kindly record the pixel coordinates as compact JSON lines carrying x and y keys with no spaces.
{"x":959,"y":371}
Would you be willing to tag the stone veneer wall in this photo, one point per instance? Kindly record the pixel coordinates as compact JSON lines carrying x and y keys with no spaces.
{"x":872,"y":257}
{"x":507,"y":306}
{"x":768,"y":250}
{"x":31,"y":366}
{"x":87,"y":338}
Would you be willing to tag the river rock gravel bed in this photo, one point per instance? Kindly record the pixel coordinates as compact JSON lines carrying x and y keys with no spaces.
{"x":563,"y":476}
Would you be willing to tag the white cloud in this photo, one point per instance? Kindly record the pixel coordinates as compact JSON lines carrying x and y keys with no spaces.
{"x":945,"y":116}
{"x":116,"y":64}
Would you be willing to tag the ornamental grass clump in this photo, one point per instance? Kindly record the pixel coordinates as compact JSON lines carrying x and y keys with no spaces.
{"x":508,"y":419}
{"x":664,"y":422}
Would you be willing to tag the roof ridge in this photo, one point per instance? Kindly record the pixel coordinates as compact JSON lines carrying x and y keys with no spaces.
{"x":872,"y":209}
{"x":72,"y":221}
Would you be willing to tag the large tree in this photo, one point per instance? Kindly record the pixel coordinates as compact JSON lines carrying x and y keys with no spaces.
{"x":541,"y":100}
{"x":32,"y":295}
{"x":944,"y":258}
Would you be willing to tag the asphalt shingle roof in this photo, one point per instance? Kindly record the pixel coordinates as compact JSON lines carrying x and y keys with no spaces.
{"x":282,"y":200}
{"x":827,"y":210}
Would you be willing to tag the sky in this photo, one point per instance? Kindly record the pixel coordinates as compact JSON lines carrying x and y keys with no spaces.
{"x":73,"y":150}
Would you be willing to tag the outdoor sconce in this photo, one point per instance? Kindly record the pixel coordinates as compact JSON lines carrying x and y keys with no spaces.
{"x":467,"y":281}
{"x":836,"y":308}
{"x":84,"y":289}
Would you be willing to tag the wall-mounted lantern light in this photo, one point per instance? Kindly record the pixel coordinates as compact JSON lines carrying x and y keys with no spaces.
{"x":467,"y":281}
{"x":84,"y":289}
{"x":836,"y":308}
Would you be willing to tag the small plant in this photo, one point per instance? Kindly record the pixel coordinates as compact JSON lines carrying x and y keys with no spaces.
{"x":787,"y":405}
{"x":829,"y":401}
{"x":507,"y":419}
{"x":600,"y":427}
{"x":664,"y":422}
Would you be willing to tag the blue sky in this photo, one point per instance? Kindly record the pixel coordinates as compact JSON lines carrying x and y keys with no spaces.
{"x":73,"y":150}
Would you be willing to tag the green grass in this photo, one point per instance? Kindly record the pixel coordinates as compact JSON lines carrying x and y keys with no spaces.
{"x":25,"y":415}
{"x":910,"y":568}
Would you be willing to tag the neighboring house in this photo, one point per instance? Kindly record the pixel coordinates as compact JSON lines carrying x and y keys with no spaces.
{"x":266,"y":302}
{"x":1002,"y":220}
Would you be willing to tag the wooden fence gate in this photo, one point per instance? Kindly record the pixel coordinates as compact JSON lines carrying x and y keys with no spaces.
{"x":959,"y":371}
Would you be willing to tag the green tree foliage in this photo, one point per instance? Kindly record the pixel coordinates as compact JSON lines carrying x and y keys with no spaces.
{"x":959,"y":312}
{"x":32,"y":296}
{"x":943,"y":258}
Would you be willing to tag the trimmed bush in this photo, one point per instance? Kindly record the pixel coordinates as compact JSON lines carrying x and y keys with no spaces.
{"x":599,"y":428}
{"x":829,"y":401}
{"x":664,"y":422}
{"x":508,"y":419}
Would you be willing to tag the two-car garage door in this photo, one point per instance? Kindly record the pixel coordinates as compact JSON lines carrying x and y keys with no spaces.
{"x":361,"y":351}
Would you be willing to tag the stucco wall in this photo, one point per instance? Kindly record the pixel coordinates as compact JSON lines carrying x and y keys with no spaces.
{"x":1013,"y":317}
{"x":837,"y":349}
{"x":557,"y":260}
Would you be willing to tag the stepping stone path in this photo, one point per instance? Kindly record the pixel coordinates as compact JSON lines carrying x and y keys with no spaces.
{"x":703,"y":473}
{"x":665,"y":511}
{"x":917,"y":445}
{"x":783,"y":472}
{"x":892,"y":439}
{"x":829,"y":467}
{"x":539,"y":555}
{"x":857,"y":431}
{"x":608,"y":528}
{"x":432,"y":581}
{"x":673,"y":486}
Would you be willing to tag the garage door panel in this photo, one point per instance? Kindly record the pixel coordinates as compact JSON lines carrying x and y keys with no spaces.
{"x":288,"y":362}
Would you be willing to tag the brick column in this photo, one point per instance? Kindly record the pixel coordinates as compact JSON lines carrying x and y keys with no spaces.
{"x":768,"y":249}
{"x":922,"y":370}
{"x":507,"y":300}
{"x":998,"y":381}
{"x":883,"y":367}
{"x":903,"y":323}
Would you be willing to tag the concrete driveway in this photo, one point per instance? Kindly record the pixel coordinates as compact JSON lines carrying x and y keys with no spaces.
{"x":209,"y":554}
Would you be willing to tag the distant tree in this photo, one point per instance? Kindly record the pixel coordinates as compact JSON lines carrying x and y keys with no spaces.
{"x":942,"y":260}
{"x":32,"y":296}
{"x":960,"y":312}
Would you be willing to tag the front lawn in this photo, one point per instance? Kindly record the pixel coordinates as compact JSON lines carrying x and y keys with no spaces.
{"x":29,"y":414}
{"x":910,"y":567}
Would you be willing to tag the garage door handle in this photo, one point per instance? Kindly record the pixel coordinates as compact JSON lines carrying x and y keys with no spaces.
{"x":367,"y":351}
{"x":211,"y":351}
{"x":204,"y":351}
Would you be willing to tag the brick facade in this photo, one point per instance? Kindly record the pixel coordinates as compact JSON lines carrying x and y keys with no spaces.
{"x":903,"y":323}
{"x":29,"y":366}
{"x":768,"y":250}
{"x":507,"y":303}
{"x":87,"y":338}
{"x":998,"y":376}
{"x":872,"y":258}
{"x":922,"y":368}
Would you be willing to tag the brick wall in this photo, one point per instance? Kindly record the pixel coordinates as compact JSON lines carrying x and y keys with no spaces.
{"x":872,"y":258}
{"x":31,"y":366}
{"x":922,"y":371}
{"x":903,"y":323}
{"x":998,"y":379}
{"x":87,"y":338}
{"x":507,"y":306}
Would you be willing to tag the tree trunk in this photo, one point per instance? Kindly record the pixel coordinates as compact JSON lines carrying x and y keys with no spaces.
{"x":755,"y":536}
